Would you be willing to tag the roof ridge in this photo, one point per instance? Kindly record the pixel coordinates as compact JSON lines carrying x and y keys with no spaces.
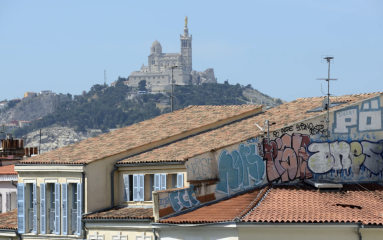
{"x":342,"y":96}
{"x":254,"y":205}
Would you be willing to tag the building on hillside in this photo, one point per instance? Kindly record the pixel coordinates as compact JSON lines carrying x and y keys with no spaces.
{"x":3,"y":105}
{"x":45,"y":92}
{"x":208,"y":172}
{"x":29,"y":95}
{"x":10,"y":127}
{"x":8,"y":181}
{"x":158,"y":73}
{"x":24,"y":123}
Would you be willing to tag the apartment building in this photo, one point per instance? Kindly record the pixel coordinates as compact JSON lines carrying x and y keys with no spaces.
{"x":61,"y":193}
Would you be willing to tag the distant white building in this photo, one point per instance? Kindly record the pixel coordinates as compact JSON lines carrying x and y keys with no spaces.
{"x":158,"y":73}
{"x":45,"y":92}
{"x":24,"y":123}
{"x":3,"y":105}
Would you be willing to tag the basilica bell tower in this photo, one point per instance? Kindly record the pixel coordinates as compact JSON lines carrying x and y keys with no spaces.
{"x":186,"y":50}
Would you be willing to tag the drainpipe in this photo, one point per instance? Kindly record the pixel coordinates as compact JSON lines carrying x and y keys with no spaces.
{"x":360,"y":234}
{"x":83,"y":203}
{"x":112,"y":186}
{"x":154,"y":233}
{"x":18,"y":234}
{"x":14,"y":184}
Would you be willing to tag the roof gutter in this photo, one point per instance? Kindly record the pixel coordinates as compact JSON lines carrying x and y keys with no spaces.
{"x":117,"y":220}
{"x":149,"y":164}
{"x":259,"y":224}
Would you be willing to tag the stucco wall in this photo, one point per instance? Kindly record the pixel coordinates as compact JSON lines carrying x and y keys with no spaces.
{"x":199,"y":233}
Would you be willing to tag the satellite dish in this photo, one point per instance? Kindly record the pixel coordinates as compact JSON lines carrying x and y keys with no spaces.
{"x":324,"y":104}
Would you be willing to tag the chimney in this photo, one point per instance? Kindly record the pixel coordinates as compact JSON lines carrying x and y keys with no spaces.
{"x":21,"y":143}
{"x":35,"y":151}
{"x":26,"y":152}
{"x":30,"y":151}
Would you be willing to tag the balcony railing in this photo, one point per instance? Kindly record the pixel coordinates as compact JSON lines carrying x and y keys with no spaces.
{"x":74,"y":220}
{"x":51,"y":220}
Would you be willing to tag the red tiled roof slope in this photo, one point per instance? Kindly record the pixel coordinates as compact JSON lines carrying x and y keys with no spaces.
{"x":288,"y":205}
{"x":122,"y":212}
{"x":8,"y":170}
{"x":8,"y":220}
{"x":222,"y":211}
{"x":139,"y":134}
{"x":242,"y":130}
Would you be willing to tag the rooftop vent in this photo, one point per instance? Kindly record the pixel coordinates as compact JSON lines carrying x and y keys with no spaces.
{"x":324,"y":106}
{"x":323,"y":184}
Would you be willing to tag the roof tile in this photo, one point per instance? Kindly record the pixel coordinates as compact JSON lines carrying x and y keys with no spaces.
{"x":8,"y":220}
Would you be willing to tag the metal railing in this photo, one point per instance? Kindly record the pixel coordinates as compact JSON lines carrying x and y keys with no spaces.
{"x":30,"y":218}
{"x":51,"y":219}
{"x":74,"y":220}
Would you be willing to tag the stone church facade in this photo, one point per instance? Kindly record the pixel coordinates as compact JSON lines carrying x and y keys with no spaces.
{"x":158,"y":72}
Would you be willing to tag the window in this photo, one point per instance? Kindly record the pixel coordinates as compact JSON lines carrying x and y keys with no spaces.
{"x":72,"y":208}
{"x":178,"y":180}
{"x":134,"y":187}
{"x":27,"y":207}
{"x":159,"y":182}
{"x":10,"y":201}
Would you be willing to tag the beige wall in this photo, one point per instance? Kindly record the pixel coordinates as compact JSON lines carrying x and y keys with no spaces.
{"x":198,"y":233}
{"x":129,"y":229}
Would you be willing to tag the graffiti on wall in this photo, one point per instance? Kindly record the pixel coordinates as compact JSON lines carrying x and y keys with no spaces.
{"x":199,"y":168}
{"x":313,"y":129}
{"x":367,"y":118}
{"x":185,"y":198}
{"x":240,"y":169}
{"x":342,"y":155}
{"x":286,"y":157}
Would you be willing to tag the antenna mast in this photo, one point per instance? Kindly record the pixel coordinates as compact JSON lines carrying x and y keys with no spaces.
{"x":328,"y":59}
{"x":104,"y":77}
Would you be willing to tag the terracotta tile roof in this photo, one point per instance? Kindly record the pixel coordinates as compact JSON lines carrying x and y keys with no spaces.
{"x":291,"y":205}
{"x":149,"y":131}
{"x":8,"y":170}
{"x":282,"y":115}
{"x":8,"y":220}
{"x":122,"y":212}
{"x":222,"y":211}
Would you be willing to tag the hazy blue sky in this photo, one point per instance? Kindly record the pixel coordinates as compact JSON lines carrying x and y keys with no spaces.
{"x":275,"y":46}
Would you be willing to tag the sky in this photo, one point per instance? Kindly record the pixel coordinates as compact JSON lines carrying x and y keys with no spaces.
{"x":276,"y":46}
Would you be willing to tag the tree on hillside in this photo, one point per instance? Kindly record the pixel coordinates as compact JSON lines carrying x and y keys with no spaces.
{"x":142,"y":85}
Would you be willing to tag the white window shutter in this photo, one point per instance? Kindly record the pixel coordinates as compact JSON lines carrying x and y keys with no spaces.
{"x":157,"y":182}
{"x":34,"y":230}
{"x":142,"y":184}
{"x":126,"y":188}
{"x":180,"y":180}
{"x":135,"y":187}
{"x":79,"y":209}
{"x":1,"y":203}
{"x":64,"y":190}
{"x":163,"y":181}
{"x":21,"y":207}
{"x":57,"y":209}
{"x":43,"y":222}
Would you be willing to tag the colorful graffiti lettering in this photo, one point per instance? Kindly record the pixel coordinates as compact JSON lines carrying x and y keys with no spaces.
{"x":238,"y":168}
{"x":367,"y":118}
{"x":199,"y":168}
{"x":185,"y":198}
{"x":286,"y":157}
{"x":164,"y":201}
{"x":341,"y":155}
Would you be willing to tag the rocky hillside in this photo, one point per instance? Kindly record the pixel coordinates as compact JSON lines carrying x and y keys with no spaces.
{"x":54,"y":137}
{"x":34,"y":108}
{"x":257,"y":97}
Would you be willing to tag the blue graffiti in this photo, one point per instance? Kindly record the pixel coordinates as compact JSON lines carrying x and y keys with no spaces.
{"x":367,"y":118}
{"x":199,"y":168}
{"x":164,"y":201}
{"x":238,"y":168}
{"x":185,"y":198}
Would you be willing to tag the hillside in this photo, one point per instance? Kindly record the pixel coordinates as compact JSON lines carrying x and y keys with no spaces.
{"x":34,"y":108}
{"x":105,"y":107}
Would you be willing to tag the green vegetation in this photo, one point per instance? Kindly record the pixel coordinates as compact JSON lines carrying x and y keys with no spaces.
{"x":105,"y":107}
{"x":142,"y":85}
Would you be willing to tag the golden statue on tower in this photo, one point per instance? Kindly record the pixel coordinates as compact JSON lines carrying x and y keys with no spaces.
{"x":186,"y":21}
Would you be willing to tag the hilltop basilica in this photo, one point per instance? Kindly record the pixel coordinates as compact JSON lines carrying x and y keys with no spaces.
{"x":158,"y":73}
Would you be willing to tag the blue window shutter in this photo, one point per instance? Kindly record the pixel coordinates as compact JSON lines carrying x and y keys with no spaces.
{"x":21,"y":207}
{"x":43,"y":223}
{"x":157,"y":182}
{"x":135,"y":188}
{"x":64,"y":189}
{"x":180,"y":180}
{"x":34,"y":189}
{"x":141,"y":185}
{"x":126,"y":188}
{"x":57,"y":208}
{"x":163,"y":181}
{"x":79,"y":209}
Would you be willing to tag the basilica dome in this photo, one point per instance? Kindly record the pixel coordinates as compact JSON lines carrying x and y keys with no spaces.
{"x":156,"y":44}
{"x":156,"y":47}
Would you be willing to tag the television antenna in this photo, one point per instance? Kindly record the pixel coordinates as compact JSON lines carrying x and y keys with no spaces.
{"x":104,"y":77}
{"x":326,"y":104}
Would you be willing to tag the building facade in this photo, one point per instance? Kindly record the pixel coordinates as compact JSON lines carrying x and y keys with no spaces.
{"x":161,"y":66}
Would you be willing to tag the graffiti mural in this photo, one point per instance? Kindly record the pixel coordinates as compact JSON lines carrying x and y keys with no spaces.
{"x":342,"y":155}
{"x":199,"y":168}
{"x":286,"y":157}
{"x":238,"y":169}
{"x":367,"y":118}
{"x":181,"y":199}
